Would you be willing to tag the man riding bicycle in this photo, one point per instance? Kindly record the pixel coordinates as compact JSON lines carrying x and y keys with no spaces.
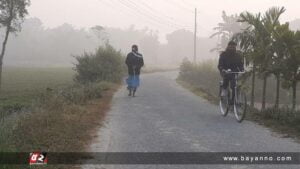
{"x":230,"y":60}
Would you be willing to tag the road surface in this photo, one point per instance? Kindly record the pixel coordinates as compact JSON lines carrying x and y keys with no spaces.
{"x":164,"y":117}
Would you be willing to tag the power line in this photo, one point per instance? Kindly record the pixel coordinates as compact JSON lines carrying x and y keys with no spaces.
{"x":141,"y":13}
{"x":133,"y":13}
{"x":112,"y":6}
{"x":137,"y":8}
{"x":169,"y":19}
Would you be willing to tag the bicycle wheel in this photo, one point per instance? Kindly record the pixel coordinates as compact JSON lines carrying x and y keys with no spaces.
{"x":240,"y":105}
{"x":224,"y":104}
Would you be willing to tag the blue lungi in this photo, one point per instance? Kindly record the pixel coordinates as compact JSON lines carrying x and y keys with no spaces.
{"x":133,"y":81}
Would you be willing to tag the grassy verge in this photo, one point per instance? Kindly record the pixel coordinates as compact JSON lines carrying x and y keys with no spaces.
{"x":198,"y":91}
{"x":60,"y":121}
{"x":55,"y":115}
{"x":203,"y":80}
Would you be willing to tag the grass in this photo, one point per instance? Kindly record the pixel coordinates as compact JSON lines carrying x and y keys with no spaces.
{"x":66,"y":125}
{"x":203,"y":80}
{"x":199,"y":91}
{"x":21,"y":85}
{"x":60,"y":116}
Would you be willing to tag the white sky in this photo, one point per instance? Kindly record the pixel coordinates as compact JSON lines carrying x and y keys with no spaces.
{"x":162,"y":15}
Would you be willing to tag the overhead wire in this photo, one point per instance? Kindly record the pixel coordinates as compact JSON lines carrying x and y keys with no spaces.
{"x":162,"y":16}
{"x":132,"y":13}
{"x":150,"y":14}
{"x":137,"y":8}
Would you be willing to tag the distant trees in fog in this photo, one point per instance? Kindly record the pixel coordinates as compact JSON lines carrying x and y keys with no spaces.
{"x":40,"y":46}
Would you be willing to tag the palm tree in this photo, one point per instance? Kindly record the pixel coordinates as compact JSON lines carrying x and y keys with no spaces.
{"x":279,"y":47}
{"x":225,"y":30}
{"x":258,"y":38}
{"x":291,"y":73}
{"x":249,"y":42}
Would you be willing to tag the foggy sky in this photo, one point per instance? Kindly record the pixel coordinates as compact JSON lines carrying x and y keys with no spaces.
{"x":162,"y":15}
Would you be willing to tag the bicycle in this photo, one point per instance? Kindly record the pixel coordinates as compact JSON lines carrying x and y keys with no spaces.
{"x":239,"y":101}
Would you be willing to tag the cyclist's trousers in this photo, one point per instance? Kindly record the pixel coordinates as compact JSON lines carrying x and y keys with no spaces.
{"x":229,"y":79}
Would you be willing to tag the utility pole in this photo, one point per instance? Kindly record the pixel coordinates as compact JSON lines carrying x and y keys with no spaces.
{"x":195,"y":37}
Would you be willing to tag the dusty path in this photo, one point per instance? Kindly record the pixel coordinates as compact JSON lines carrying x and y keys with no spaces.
{"x":164,"y":117}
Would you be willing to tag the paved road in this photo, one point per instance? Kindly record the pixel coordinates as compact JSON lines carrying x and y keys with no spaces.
{"x":164,"y":117}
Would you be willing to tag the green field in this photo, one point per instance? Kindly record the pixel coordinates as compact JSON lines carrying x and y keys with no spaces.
{"x":21,"y":85}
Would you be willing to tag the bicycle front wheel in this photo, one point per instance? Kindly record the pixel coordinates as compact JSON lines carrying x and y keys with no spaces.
{"x":240,"y":105}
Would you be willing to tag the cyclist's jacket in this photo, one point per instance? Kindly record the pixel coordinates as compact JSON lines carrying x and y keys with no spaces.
{"x":134,"y":62}
{"x":231,"y":60}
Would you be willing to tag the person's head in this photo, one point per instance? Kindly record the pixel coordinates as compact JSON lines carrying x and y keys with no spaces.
{"x":135,"y":48}
{"x":231,"y":46}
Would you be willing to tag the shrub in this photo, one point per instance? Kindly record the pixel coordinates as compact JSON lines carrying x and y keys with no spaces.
{"x":203,"y":75}
{"x":106,"y":64}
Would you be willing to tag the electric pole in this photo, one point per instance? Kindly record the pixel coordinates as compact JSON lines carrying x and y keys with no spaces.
{"x":195,"y":37}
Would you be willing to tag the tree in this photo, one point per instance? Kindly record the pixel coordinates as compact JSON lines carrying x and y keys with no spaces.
{"x":227,"y":29}
{"x":259,"y":35}
{"x":280,"y":49}
{"x":180,"y":45}
{"x":12,"y":14}
{"x":274,"y":50}
{"x":100,"y":33}
{"x":150,"y":46}
{"x":249,"y":42}
{"x":291,"y":73}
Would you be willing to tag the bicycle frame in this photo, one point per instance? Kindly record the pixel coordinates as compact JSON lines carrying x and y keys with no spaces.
{"x":233,"y":95}
{"x":236,"y":75}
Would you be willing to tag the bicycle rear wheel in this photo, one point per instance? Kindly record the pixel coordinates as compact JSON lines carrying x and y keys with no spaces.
{"x":240,"y":105}
{"x":224,"y":104}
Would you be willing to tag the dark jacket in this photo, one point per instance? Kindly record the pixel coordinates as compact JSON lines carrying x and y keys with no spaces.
{"x":231,"y":60}
{"x":134,"y":62}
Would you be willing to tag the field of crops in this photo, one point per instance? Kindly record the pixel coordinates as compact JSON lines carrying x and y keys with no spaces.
{"x":21,"y":85}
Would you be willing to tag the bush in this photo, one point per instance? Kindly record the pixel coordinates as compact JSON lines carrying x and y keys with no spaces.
{"x":106,"y":64}
{"x":204,"y":76}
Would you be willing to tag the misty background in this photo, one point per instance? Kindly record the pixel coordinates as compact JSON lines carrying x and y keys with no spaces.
{"x":58,"y":30}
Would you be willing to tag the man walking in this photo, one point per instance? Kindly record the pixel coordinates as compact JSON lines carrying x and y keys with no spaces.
{"x":134,"y":62}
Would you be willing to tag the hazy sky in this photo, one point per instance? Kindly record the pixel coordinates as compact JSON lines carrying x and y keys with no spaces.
{"x":162,"y":15}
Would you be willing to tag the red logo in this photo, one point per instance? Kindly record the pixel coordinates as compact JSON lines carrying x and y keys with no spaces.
{"x":38,"y":158}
